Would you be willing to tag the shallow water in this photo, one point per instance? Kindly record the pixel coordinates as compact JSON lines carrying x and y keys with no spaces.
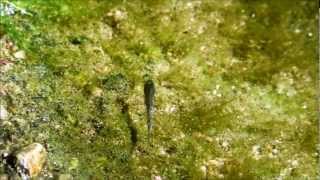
{"x":235,"y":88}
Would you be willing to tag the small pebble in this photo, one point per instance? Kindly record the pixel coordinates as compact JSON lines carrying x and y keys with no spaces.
{"x":19,"y":55}
{"x":3,"y":113}
{"x":97,"y":92}
{"x":30,"y":160}
{"x":297,"y":31}
{"x":203,"y":169}
{"x":256,"y":151}
{"x":157,"y":178}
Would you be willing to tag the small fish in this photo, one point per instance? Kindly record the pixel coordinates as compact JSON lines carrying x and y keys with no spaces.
{"x":149,"y":91}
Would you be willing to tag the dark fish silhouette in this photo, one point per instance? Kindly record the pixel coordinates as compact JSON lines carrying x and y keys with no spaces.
{"x":149,"y":91}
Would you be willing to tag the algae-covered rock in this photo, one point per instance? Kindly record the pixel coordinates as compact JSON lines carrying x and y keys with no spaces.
{"x":236,"y":94}
{"x":30,"y":160}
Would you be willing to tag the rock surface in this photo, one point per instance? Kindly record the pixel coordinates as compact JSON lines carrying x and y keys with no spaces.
{"x":30,"y":160}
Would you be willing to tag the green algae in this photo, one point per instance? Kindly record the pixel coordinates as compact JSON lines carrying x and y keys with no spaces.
{"x":229,"y":75}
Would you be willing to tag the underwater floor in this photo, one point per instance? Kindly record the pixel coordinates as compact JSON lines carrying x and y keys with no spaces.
{"x":235,"y":89}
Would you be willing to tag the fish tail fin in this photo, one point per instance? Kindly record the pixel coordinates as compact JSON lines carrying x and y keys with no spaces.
{"x":150,"y":125}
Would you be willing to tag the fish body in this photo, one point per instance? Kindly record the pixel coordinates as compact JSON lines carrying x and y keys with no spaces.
{"x":149,"y":92}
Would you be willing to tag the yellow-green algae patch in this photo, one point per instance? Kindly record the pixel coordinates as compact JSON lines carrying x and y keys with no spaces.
{"x":235,"y":88}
